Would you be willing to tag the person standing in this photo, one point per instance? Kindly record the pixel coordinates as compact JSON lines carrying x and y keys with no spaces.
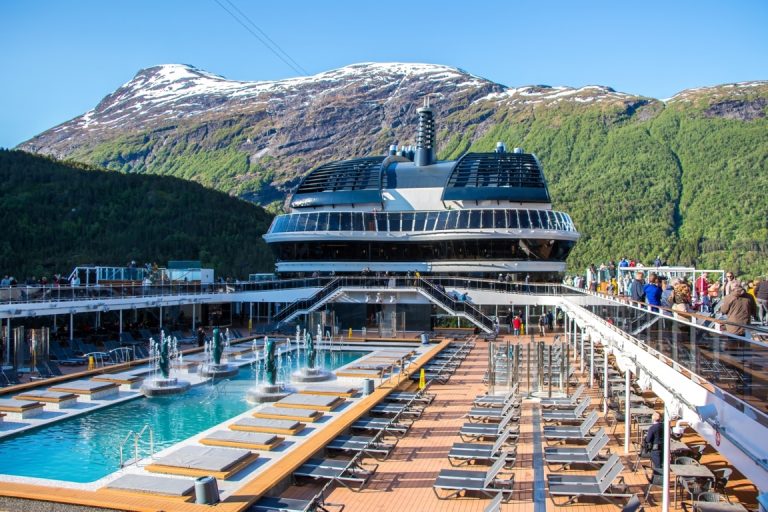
{"x":739,"y":308}
{"x":516,"y":324}
{"x":761,"y":294}
{"x":654,"y":441}
{"x":200,"y":336}
{"x":543,"y":325}
{"x":730,"y":282}
{"x":636,"y":288}
{"x":652,"y":292}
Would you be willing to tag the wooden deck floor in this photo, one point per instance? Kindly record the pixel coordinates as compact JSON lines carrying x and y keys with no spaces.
{"x":403,"y":482}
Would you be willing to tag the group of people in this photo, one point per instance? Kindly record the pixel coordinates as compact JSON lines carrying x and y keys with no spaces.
{"x":740,"y":302}
{"x":58,"y":280}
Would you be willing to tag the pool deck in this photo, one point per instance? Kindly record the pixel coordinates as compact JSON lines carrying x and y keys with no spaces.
{"x":253,"y":481}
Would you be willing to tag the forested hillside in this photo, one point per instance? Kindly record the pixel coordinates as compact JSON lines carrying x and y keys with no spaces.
{"x":58,"y":215}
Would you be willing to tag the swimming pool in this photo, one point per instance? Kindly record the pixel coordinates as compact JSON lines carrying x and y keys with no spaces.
{"x":86,"y":448}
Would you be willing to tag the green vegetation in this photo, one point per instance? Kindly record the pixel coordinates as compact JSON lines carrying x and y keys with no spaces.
{"x":60,"y":215}
{"x":680,"y":182}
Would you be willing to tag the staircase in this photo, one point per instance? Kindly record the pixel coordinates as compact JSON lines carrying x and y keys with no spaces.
{"x":431,"y":291}
{"x":455,"y":307}
{"x":304,"y":306}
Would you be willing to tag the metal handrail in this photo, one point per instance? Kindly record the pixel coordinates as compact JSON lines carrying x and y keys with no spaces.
{"x":138,"y":437}
{"x":122,"y":446}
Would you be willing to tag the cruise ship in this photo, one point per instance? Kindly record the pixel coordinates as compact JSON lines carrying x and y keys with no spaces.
{"x":460,"y":372}
{"x":482,"y":215}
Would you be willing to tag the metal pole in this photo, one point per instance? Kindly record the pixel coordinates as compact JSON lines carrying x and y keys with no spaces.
{"x":551,"y":374}
{"x":71,"y":326}
{"x":563,"y":360}
{"x":581,"y":355}
{"x":194,"y":317}
{"x":626,"y":411}
{"x":161,"y":316}
{"x":605,"y":380}
{"x":121,"y":322}
{"x":591,"y":361}
{"x":665,"y":463}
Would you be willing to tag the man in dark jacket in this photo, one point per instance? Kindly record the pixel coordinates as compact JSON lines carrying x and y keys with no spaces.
{"x":739,"y":308}
{"x":636,"y":288}
{"x":761,"y":293}
{"x":654,"y":440}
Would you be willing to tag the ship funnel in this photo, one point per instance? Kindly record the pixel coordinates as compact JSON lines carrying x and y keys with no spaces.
{"x":393,"y":150}
{"x":500,"y":147}
{"x":518,"y":151}
{"x":425,"y":137}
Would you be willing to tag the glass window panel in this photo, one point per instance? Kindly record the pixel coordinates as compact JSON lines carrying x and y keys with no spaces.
{"x":381,"y":222}
{"x":357,"y":221}
{"x":301,"y":222}
{"x":394,"y":221}
{"x":333,"y":221}
{"x":431,"y":219}
{"x":418,"y":221}
{"x":525,"y":221}
{"x":311,"y":222}
{"x":280,"y":225}
{"x":499,"y":219}
{"x":407,"y":222}
{"x":474,"y":219}
{"x":346,"y":221}
{"x":322,"y":221}
{"x":535,"y":220}
{"x":486,"y":221}
{"x":463,"y":220}
{"x":512,"y":219}
{"x":292,"y":223}
{"x":453,"y":217}
{"x":370,"y":221}
{"x":442,"y":219}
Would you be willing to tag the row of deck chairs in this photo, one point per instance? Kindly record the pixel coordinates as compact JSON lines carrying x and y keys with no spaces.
{"x":373,"y":436}
{"x":444,"y":364}
{"x":570,"y":420}
{"x":387,"y":422}
{"x":495,"y":419}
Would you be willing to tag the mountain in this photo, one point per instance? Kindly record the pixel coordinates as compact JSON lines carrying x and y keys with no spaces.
{"x":66,"y":214}
{"x":640,"y":176}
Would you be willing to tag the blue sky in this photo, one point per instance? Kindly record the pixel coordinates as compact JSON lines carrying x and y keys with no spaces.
{"x":60,"y":57}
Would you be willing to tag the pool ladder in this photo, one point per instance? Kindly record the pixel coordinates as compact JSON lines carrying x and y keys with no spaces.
{"x":137,"y":436}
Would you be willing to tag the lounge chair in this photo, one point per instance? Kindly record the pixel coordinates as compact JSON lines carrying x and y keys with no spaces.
{"x":386,"y":425}
{"x":571,"y":432}
{"x":598,"y":485}
{"x":348,"y":473}
{"x":485,"y":483}
{"x":464,"y":453}
{"x":10,"y":377}
{"x":568,"y":401}
{"x":401,"y":410}
{"x":43,"y":372}
{"x":404,"y":396}
{"x":367,"y":445}
{"x":65,"y":357}
{"x":473,"y":431}
{"x":565,"y":456}
{"x":269,"y":504}
{"x":497,"y":401}
{"x":489,"y":413}
{"x":574,"y":414}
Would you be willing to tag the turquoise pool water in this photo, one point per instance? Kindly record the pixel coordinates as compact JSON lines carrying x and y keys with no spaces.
{"x":86,"y":448}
